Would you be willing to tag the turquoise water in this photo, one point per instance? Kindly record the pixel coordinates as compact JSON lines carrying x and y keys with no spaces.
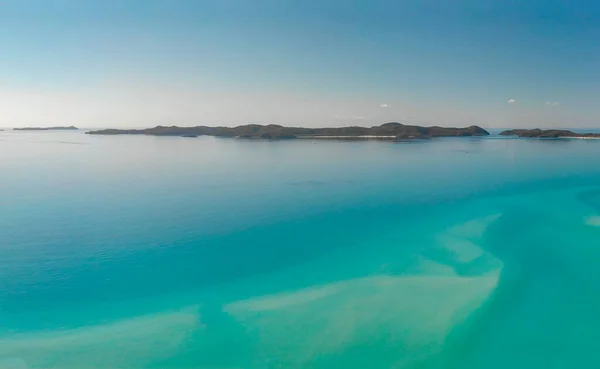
{"x":147,"y":252}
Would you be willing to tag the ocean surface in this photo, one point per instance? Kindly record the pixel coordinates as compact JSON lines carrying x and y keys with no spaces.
{"x":166,"y":252}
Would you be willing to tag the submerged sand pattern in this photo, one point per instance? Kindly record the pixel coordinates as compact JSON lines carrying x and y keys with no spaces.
{"x":132,"y":343}
{"x":406,"y":317}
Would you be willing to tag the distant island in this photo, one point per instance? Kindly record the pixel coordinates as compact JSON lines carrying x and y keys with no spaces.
{"x":547,"y":133}
{"x":69,"y":128}
{"x":389,"y":131}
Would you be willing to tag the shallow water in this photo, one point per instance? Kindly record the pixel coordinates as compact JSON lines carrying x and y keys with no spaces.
{"x":148,"y":252}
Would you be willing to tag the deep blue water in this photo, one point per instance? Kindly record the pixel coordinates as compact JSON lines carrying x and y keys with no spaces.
{"x":158,"y":252}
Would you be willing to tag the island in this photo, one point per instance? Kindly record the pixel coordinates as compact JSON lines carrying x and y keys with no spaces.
{"x":69,"y":128}
{"x":547,"y":133}
{"x":387,"y":131}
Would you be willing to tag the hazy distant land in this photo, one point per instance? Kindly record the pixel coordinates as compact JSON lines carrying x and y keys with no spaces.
{"x":69,"y":128}
{"x":388,"y":131}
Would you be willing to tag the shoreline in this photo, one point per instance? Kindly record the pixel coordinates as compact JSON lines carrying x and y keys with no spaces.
{"x":392,"y":130}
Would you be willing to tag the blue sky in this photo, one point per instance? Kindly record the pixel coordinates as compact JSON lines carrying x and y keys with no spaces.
{"x":311,"y":63}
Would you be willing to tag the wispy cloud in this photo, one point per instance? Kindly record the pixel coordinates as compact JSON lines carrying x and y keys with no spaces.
{"x":385,"y":106}
{"x":552,"y":103}
{"x":512,"y":101}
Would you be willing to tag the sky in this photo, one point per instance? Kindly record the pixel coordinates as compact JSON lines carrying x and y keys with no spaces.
{"x":134,"y":63}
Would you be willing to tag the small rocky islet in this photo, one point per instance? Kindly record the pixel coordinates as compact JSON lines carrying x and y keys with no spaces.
{"x":388,"y":131}
{"x":547,"y":133}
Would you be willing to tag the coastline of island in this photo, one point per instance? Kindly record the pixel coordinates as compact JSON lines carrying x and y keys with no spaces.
{"x":549,"y":133}
{"x":387,"y":131}
{"x":392,"y":131}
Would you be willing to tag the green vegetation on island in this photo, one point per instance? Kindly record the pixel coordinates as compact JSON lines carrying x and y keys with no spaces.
{"x":547,"y":133}
{"x":385,"y":131}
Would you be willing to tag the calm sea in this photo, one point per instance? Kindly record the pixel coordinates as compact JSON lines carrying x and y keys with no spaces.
{"x":166,"y":252}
